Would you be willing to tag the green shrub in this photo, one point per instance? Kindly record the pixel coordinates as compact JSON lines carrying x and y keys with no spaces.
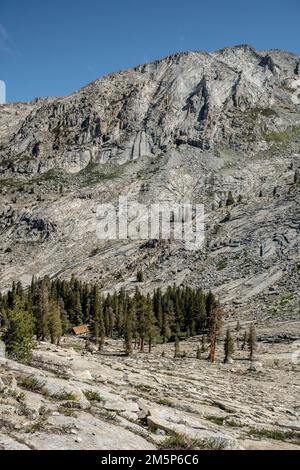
{"x":30,"y":383}
{"x":93,"y":396}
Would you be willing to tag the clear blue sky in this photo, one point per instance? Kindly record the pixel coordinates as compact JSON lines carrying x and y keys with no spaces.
{"x":50,"y":48}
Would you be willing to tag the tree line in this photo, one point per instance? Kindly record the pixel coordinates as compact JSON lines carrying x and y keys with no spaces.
{"x":49,"y":309}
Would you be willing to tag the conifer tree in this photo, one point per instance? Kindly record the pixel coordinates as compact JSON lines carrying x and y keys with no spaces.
{"x":65,"y":324}
{"x":200,"y":311}
{"x":99,"y":330}
{"x":245,"y":340}
{"x":230,"y":199}
{"x":157,"y":306}
{"x":141,"y":321}
{"x":177,"y":347}
{"x":228,"y":346}
{"x":76,"y":309}
{"x":111,"y":321}
{"x":18,"y":337}
{"x":211,"y":305}
{"x":167,"y":315}
{"x":252,"y":341}
{"x":41,"y":311}
{"x":150,"y":323}
{"x":55,"y":326}
{"x":214,"y":330}
{"x":198,"y":355}
{"x":128,"y":332}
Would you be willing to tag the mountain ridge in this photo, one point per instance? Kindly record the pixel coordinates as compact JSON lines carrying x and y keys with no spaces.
{"x":189,"y":127}
{"x":191,"y":98}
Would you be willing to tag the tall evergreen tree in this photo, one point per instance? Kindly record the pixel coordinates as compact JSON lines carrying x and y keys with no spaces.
{"x":251,"y":341}
{"x":55,"y":325}
{"x":99,"y":330}
{"x":177,"y":347}
{"x":18,"y":337}
{"x":150,"y":323}
{"x":128,"y":332}
{"x":228,"y":346}
{"x":215,"y":325}
{"x":245,"y":340}
{"x":41,"y":310}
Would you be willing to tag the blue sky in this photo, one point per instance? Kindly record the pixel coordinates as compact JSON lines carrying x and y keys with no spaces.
{"x":51,"y":48}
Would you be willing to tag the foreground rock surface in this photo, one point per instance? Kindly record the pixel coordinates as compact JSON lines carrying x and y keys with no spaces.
{"x":137,"y":402}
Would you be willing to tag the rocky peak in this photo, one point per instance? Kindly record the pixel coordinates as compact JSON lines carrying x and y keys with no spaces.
{"x":191,"y":98}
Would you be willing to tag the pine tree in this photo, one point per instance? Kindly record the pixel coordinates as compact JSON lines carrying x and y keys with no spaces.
{"x":150,"y":323}
{"x":210,"y":305}
{"x":214,"y":330}
{"x":198,"y":355}
{"x":18,"y":337}
{"x":252,"y":341}
{"x":166,"y":315}
{"x":55,"y":325}
{"x":98,"y":330}
{"x":245,"y":340}
{"x":65,"y":324}
{"x":228,"y":346}
{"x":157,"y":306}
{"x":76,"y":309}
{"x":200,"y":311}
{"x":41,"y":310}
{"x":141,"y":321}
{"x":177,"y":347}
{"x":230,"y":199}
{"x":238,"y":326}
{"x":128,"y":332}
{"x":111,"y":321}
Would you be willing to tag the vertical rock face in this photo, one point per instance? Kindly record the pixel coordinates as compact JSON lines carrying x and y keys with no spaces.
{"x":191,"y":98}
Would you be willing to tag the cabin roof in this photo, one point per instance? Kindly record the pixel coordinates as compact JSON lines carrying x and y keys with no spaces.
{"x":79,"y":330}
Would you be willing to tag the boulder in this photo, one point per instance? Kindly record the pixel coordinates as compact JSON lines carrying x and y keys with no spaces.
{"x":256,"y":366}
{"x":84,"y":375}
{"x":121,"y":405}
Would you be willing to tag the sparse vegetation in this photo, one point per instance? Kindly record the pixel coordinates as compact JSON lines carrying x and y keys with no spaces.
{"x":285,"y":436}
{"x":65,"y":396}
{"x":31,"y":383}
{"x":165,"y":402}
{"x":93,"y":396}
{"x":176,"y":441}
{"x":222,"y":264}
{"x":282,"y":137}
